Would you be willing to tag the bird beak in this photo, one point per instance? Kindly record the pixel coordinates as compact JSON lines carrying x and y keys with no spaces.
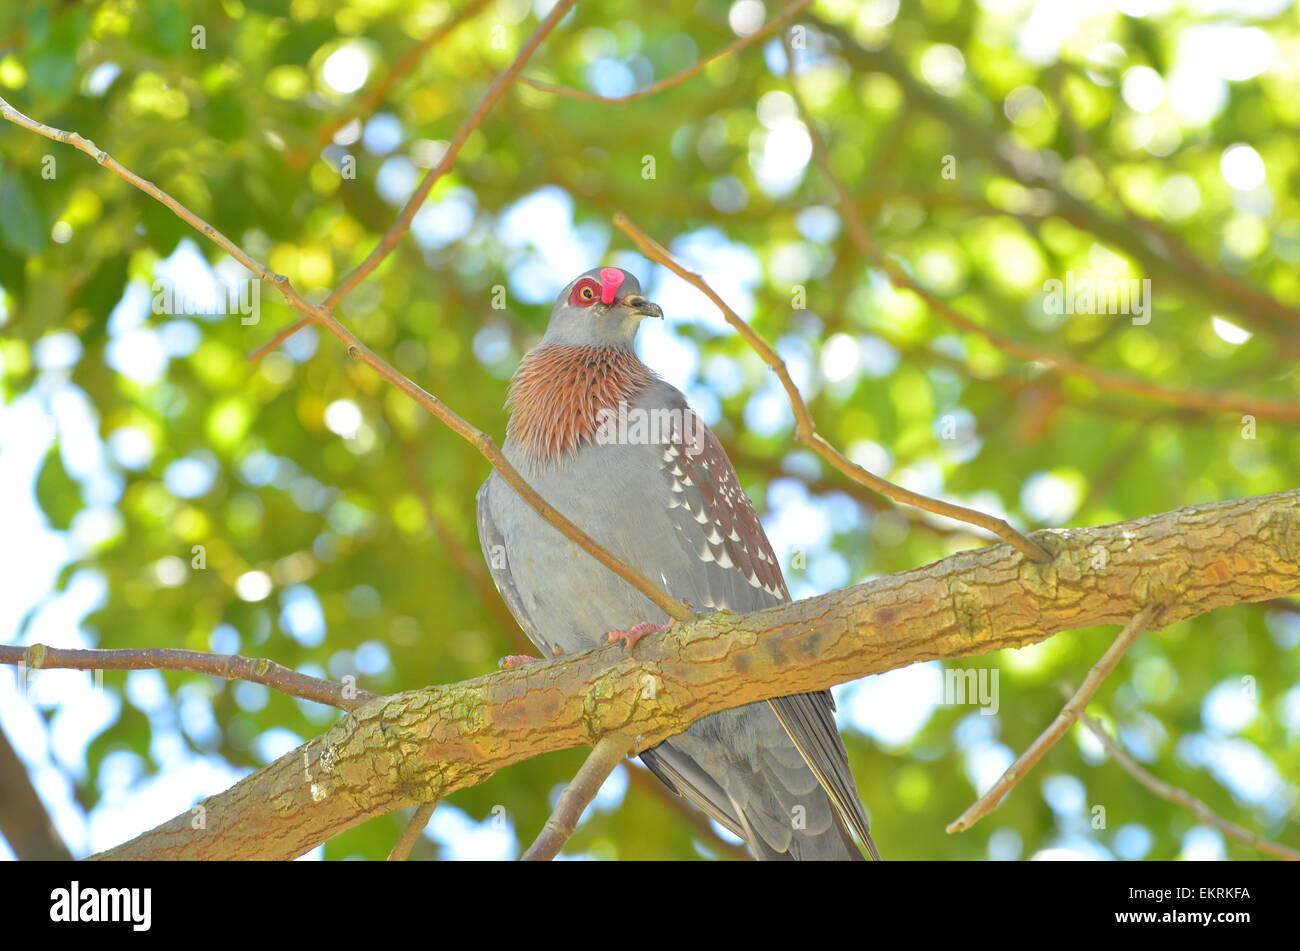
{"x":641,"y":307}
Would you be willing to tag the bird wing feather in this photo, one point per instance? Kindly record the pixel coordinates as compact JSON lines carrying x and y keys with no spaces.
{"x":740,"y":572}
{"x":496,"y":554}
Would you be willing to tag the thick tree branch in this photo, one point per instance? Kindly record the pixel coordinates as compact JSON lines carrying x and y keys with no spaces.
{"x":425,"y":744}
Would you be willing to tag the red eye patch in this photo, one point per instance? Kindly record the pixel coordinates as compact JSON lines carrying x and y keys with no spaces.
{"x":611,"y":278}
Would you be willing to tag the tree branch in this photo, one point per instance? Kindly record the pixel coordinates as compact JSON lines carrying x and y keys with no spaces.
{"x":229,"y":666}
{"x":24,"y":821}
{"x":806,"y":430}
{"x":583,"y":95}
{"x":1180,"y":798}
{"x":1026,"y":166}
{"x":1061,"y":725}
{"x":1053,"y":361}
{"x":412,"y":206}
{"x":608,"y":752}
{"x":324,"y":316}
{"x":425,"y":744}
{"x":378,"y":93}
{"x":414,"y":826}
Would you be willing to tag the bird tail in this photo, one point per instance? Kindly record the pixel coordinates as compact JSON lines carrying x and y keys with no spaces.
{"x":798,"y":715}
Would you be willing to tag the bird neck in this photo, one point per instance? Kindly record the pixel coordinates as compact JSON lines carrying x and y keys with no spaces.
{"x":558,"y":392}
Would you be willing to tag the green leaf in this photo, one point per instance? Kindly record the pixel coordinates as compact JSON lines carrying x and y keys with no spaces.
{"x":23,"y":228}
{"x":57,"y":493}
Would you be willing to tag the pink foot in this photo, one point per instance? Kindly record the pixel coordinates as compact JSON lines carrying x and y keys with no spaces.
{"x":516,"y":660}
{"x":630,"y":637}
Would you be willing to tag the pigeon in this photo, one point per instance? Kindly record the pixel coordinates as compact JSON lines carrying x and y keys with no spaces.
{"x":619,"y":452}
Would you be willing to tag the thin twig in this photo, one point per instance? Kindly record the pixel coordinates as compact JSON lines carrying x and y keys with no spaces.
{"x":1053,"y":361}
{"x":414,"y":826}
{"x":230,"y":666}
{"x":324,"y":316}
{"x":608,"y":752}
{"x":821,"y":485}
{"x":806,"y":430}
{"x":378,"y":93}
{"x":583,"y":95}
{"x":1027,"y":167}
{"x":412,"y":206}
{"x":1180,"y":798}
{"x":1072,"y":710}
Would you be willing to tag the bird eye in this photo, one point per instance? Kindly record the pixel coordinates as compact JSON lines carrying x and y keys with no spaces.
{"x":584,"y":295}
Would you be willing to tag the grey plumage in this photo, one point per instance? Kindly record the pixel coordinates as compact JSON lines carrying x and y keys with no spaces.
{"x":670,"y":505}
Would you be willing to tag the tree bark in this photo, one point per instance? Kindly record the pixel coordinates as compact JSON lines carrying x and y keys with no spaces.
{"x":424,"y":744}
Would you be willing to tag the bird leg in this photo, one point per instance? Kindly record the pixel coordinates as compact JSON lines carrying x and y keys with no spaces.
{"x":630,"y":637}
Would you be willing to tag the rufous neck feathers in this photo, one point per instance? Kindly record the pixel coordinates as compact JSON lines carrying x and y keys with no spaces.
{"x":558,"y":392}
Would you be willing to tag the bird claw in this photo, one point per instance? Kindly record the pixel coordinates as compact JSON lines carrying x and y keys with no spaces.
{"x":631,"y":636}
{"x":516,"y":660}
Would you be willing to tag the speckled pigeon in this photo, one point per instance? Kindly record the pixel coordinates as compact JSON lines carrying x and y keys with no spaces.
{"x":619,"y":452}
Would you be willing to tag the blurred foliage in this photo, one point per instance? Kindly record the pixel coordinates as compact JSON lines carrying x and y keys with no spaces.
{"x":1056,"y":169}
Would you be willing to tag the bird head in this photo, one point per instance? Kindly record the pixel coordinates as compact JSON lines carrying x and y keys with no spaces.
{"x":601,"y":308}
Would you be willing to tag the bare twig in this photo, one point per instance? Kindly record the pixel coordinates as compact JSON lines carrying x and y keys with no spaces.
{"x":324,"y":316}
{"x":806,"y":430}
{"x":412,"y":206}
{"x":1053,"y":361}
{"x":1072,"y":710}
{"x":1027,"y":166}
{"x":1180,"y":798}
{"x":414,"y":826}
{"x":581,"y":94}
{"x":608,"y":752}
{"x":229,"y":666}
{"x":819,"y":485}
{"x":378,"y":93}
